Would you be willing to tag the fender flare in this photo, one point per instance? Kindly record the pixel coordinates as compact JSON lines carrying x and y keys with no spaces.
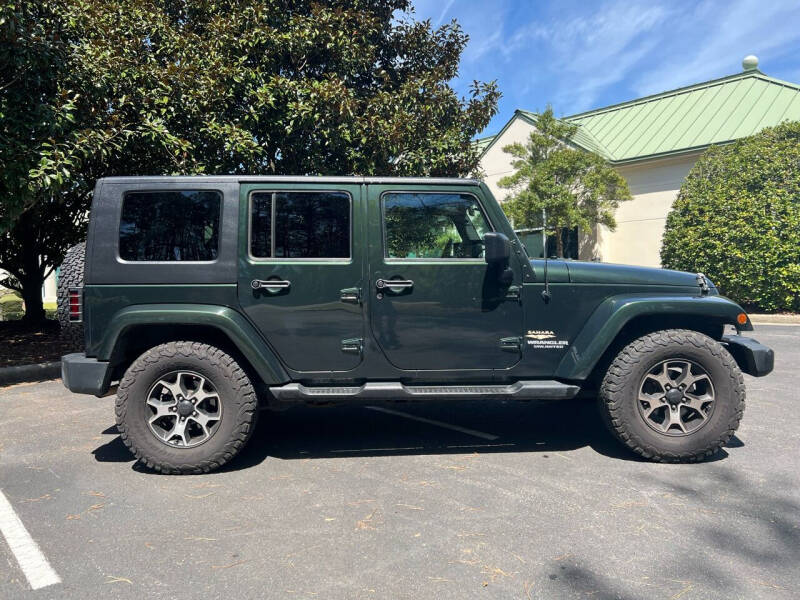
{"x":227,"y":320}
{"x":608,"y":319}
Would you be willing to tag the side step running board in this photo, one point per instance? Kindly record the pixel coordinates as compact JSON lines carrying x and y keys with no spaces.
{"x":394,"y":390}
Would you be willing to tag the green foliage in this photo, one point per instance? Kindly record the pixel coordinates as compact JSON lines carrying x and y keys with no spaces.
{"x":37,"y":243}
{"x":93,"y":88}
{"x":576,"y":188}
{"x":101,"y":87}
{"x":434,"y":226}
{"x":737,"y":219}
{"x":412,"y":232}
{"x":11,"y":307}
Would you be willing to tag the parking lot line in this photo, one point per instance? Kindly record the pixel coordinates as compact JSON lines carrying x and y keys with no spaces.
{"x":33,"y":563}
{"x":478,"y":434}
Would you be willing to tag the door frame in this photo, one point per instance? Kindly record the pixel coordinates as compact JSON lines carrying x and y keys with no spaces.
{"x":358,"y":252}
{"x":378,"y":261}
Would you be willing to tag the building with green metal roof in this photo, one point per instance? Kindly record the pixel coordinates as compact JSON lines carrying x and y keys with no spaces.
{"x":654,"y":141}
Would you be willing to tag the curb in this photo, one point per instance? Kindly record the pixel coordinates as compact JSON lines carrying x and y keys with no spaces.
{"x":764,"y":319}
{"x":28,"y":373}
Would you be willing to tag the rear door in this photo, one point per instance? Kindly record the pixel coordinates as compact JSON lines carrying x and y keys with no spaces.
{"x":435,"y":303}
{"x":300,"y":271}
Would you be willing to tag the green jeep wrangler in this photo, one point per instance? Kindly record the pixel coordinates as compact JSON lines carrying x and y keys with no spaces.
{"x":202,"y":296}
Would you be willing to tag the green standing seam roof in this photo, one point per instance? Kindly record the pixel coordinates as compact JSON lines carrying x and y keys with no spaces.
{"x":682,"y":120}
{"x":482,"y":143}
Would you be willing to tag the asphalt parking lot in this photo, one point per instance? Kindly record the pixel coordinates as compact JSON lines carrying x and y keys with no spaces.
{"x":447,"y":500}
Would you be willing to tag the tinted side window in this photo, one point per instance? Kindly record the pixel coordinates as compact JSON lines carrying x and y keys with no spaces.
{"x":300,"y":225}
{"x":261,"y":224}
{"x":433,"y":226}
{"x":170,"y":226}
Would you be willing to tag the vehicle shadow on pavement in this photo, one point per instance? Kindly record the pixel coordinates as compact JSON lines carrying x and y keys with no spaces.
{"x":113,"y":450}
{"x":446,"y":427}
{"x":304,"y":432}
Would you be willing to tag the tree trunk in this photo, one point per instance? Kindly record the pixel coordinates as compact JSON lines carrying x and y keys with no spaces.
{"x":22,"y":260}
{"x":32,"y":296}
{"x":560,"y":242}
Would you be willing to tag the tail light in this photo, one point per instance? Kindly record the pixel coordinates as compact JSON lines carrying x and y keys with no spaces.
{"x":75,"y":305}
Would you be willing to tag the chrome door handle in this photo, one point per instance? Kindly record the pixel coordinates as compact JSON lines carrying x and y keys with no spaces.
{"x":394,"y":283}
{"x":270,"y":284}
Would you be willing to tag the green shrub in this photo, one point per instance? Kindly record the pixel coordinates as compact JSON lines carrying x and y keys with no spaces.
{"x":737,"y":219}
{"x":11,"y":307}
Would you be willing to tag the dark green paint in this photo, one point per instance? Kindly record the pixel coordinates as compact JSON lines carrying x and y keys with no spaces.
{"x":611,"y":315}
{"x":459,"y":322}
{"x":102,"y":304}
{"x":306,"y":322}
{"x":231,"y":322}
{"x":606,"y":273}
{"x":457,"y":311}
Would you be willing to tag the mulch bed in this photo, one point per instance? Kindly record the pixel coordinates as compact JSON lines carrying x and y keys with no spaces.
{"x":23,"y":344}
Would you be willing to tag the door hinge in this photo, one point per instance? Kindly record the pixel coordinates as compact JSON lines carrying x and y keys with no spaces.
{"x":514,"y":292}
{"x":353,"y":345}
{"x":511,"y":344}
{"x":350,"y":295}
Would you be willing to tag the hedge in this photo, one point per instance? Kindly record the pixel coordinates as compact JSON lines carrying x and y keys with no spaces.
{"x":737,"y":219}
{"x":11,"y":307}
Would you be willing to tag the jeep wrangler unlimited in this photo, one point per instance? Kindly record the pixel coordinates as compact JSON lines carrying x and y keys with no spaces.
{"x":201,"y":296}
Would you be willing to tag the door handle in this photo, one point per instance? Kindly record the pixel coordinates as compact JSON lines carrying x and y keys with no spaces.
{"x":394,"y":284}
{"x":270,"y":284}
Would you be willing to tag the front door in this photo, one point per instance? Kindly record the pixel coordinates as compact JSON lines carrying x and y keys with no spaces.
{"x":436,"y":304}
{"x":300,"y":272}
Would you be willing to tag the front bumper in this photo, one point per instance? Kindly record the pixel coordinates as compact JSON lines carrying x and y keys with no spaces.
{"x":84,"y":375}
{"x":753,"y":358}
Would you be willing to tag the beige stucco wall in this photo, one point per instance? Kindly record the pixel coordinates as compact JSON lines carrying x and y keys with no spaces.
{"x":496,"y":164}
{"x":654,"y":186}
{"x":50,"y":288}
{"x":640,"y":222}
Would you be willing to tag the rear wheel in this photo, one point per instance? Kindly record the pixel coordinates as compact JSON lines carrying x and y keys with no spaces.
{"x":185,"y":407}
{"x":673,"y":396}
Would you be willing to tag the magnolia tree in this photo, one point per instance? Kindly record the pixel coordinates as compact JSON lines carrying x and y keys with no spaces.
{"x":572,"y":187}
{"x":93,"y":88}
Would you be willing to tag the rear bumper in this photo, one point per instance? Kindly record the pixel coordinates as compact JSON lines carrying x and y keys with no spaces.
{"x":753,"y":358}
{"x":84,"y":375}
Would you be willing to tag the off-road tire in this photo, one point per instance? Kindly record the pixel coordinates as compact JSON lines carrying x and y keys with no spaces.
{"x":620,"y":388}
{"x":238,"y":397}
{"x":71,"y":275}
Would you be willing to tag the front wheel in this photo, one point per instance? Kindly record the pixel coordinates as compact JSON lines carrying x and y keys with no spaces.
{"x":673,"y":396}
{"x":185,"y":407}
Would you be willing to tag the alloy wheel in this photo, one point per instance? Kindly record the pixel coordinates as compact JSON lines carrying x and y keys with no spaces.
{"x":676,"y":397}
{"x":185,"y":409}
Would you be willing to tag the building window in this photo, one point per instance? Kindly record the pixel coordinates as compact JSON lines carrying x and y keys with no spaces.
{"x":170,"y":226}
{"x":425,"y":225}
{"x":300,"y":225}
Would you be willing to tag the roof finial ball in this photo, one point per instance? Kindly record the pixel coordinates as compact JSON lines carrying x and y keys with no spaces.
{"x":750,"y":62}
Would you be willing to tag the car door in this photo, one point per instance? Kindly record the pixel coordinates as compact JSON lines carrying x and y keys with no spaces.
{"x":300,"y":271}
{"x":436,"y":304}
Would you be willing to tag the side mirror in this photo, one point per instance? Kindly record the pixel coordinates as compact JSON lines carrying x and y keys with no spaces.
{"x":496,"y":248}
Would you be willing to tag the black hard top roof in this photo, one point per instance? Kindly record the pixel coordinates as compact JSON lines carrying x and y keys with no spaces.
{"x":291,"y":179}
